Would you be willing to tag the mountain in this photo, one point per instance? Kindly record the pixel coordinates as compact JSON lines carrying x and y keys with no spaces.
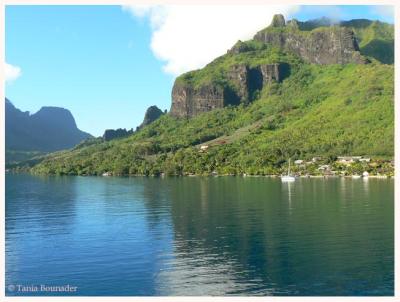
{"x":290,"y":92}
{"x":49,"y":129}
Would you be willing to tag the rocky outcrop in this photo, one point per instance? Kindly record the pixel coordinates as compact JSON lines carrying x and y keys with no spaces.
{"x":111,"y":134}
{"x":239,"y":76}
{"x":325,"y":45}
{"x":152,"y":114}
{"x":189,"y":101}
{"x":278,"y":20}
{"x":274,"y":72}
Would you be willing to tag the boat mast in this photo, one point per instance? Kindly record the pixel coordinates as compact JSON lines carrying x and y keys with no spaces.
{"x":289,"y":167}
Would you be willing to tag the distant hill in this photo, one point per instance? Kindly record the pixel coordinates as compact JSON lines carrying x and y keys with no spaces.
{"x":49,"y":129}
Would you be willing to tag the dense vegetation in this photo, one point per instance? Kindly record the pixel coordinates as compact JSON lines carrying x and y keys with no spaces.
{"x":13,"y":157}
{"x":318,"y":110}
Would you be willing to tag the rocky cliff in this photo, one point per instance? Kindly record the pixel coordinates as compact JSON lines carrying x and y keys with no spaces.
{"x":250,"y":66}
{"x":188,"y":101}
{"x":242,"y":81}
{"x":324,"y":45}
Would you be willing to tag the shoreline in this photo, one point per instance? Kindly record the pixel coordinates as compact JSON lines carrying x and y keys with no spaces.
{"x":212,"y":175}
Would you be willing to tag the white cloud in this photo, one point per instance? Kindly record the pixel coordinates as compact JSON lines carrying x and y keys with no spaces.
{"x":386,"y":11}
{"x":11,"y":72}
{"x":187,"y":37}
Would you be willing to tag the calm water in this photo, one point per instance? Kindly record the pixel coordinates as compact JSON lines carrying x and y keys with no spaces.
{"x":200,"y":236}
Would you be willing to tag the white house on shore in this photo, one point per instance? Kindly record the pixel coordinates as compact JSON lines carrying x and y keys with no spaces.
{"x":324,"y":168}
{"x":347,"y":160}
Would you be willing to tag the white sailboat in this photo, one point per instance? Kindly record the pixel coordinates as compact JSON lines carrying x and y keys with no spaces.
{"x":288,"y":177}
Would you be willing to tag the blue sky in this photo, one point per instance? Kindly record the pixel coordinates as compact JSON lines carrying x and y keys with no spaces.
{"x":108,"y":64}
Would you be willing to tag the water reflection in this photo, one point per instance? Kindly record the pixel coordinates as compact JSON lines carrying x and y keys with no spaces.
{"x":288,"y":189}
{"x":202,"y":236}
{"x":245,"y":225}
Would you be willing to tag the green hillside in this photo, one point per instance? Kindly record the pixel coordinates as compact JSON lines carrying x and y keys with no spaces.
{"x":317,"y":110}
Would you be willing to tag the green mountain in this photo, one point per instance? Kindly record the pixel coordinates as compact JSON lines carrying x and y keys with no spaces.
{"x":295,"y":90}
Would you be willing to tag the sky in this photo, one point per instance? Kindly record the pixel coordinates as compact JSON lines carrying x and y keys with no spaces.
{"x":108,"y":64}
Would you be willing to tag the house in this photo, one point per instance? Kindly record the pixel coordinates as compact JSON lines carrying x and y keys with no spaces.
{"x":345,"y":160}
{"x":204,"y":148}
{"x":324,"y":168}
{"x":348,"y":159}
{"x":315,"y":159}
{"x":352,"y":159}
{"x":298,"y":162}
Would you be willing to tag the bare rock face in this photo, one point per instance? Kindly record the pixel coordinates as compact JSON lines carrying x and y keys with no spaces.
{"x":273,"y":72}
{"x":329,"y":45}
{"x":239,"y":76}
{"x":188,"y":101}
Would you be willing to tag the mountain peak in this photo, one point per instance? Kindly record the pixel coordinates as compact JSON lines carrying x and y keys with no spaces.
{"x":49,"y":129}
{"x":56,"y":115}
{"x":278,"y":21}
{"x":152,"y":114}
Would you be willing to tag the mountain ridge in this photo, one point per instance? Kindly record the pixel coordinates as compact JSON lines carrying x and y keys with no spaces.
{"x":49,"y":129}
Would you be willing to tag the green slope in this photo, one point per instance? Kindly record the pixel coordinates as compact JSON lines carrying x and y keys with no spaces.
{"x":318,"y":110}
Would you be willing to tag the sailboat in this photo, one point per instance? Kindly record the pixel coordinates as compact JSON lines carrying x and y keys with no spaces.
{"x":288,"y":177}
